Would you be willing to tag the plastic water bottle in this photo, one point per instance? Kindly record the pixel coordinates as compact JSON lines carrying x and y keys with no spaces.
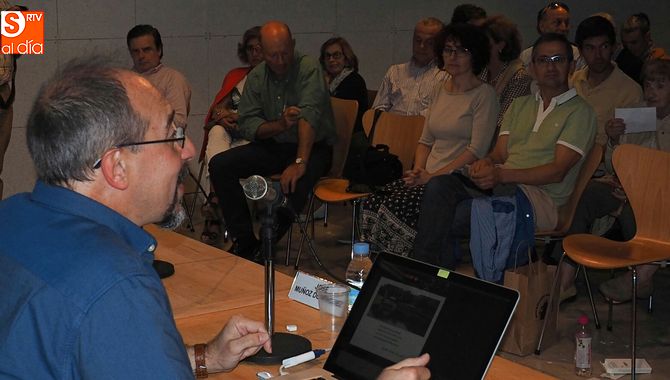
{"x":583,"y":348}
{"x":358,"y":269}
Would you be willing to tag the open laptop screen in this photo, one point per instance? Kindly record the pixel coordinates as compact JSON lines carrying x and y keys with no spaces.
{"x":407,"y":307}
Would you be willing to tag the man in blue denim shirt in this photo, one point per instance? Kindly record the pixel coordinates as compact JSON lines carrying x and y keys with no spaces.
{"x":78,"y":295}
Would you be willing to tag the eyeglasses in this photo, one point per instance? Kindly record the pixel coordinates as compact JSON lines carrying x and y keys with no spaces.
{"x":253,"y":48}
{"x":336,"y":55}
{"x":546,"y":61}
{"x":178,"y":140}
{"x":458,"y":51}
{"x":654,"y":84}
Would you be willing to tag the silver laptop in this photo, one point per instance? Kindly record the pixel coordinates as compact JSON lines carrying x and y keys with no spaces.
{"x":406,"y":308}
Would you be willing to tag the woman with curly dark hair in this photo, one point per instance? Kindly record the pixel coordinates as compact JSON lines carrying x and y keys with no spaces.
{"x":459,"y":127}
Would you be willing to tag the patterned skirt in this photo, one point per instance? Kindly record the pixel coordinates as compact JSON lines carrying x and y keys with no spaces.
{"x":389,"y":217}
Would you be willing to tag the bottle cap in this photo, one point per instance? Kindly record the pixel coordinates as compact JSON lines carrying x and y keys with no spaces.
{"x":361,"y":248}
{"x":583,"y":320}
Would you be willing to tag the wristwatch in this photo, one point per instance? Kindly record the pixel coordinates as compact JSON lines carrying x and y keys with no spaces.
{"x":299,"y":161}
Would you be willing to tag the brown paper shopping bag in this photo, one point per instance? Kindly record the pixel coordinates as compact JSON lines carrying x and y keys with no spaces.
{"x":533,"y":281}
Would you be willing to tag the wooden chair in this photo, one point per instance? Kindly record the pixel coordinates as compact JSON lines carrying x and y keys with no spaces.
{"x":372,"y":95}
{"x":400,"y":133}
{"x":645,"y":176}
{"x":344,"y":113}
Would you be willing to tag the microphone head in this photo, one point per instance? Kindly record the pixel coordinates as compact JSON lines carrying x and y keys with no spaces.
{"x":254,"y":187}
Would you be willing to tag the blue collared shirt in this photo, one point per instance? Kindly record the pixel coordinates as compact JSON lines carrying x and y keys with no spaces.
{"x":78,"y":295}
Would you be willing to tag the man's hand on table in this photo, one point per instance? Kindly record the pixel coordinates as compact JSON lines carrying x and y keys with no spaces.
{"x":408,"y":369}
{"x":239,"y":339}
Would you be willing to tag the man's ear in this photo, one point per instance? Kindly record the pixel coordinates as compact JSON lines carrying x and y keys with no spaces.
{"x":113,"y":166}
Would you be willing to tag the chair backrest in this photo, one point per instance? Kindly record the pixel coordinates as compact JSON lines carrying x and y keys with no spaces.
{"x":344,"y":112}
{"x":401,"y":133}
{"x":567,"y":212}
{"x":372,"y":95}
{"x":645,"y":176}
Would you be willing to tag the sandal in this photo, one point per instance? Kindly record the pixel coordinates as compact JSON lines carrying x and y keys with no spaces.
{"x":211,"y":232}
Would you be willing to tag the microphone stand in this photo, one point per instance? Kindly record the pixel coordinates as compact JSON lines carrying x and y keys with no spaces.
{"x":284,"y":345}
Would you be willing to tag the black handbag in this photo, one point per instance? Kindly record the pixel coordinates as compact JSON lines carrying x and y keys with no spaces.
{"x":373,"y":167}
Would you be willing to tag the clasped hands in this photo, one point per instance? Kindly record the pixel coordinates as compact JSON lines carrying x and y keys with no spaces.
{"x":227,"y":118}
{"x":416,"y":177}
{"x":484,"y":174}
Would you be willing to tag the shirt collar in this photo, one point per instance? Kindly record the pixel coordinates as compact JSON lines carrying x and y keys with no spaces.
{"x":153,"y":70}
{"x":560,"y":99}
{"x":413,"y":66}
{"x":73,"y":203}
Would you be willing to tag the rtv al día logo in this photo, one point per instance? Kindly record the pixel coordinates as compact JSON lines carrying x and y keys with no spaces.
{"x":22,"y":32}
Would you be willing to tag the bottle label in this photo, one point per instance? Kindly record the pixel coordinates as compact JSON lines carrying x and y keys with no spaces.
{"x":583,"y":353}
{"x":353,"y":294}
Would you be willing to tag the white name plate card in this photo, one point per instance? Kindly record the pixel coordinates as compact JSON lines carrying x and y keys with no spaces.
{"x":303,"y":289}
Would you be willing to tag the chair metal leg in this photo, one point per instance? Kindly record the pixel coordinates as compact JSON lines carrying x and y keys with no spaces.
{"x":325,"y":216}
{"x":610,"y":307}
{"x":288,"y":243}
{"x":189,"y":219}
{"x":310,"y":212}
{"x":353,"y":225}
{"x":198,"y":186}
{"x":552,"y":294}
{"x":596,"y":320}
{"x":633,"y":326}
{"x":610,"y":312}
{"x":650,"y":304}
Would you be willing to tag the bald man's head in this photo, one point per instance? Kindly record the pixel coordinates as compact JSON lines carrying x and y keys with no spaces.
{"x":278,"y":47}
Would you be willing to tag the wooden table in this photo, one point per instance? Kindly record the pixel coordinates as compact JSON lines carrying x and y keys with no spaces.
{"x":209,"y":286}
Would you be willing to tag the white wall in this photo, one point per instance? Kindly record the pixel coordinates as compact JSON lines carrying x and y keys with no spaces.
{"x":200,"y":40}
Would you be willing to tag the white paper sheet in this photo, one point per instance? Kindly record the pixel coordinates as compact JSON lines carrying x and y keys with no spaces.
{"x":637,"y":120}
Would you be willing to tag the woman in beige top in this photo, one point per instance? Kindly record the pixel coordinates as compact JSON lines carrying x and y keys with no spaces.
{"x":459,"y":127}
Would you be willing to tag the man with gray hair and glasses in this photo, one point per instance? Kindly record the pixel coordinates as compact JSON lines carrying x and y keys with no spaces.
{"x":78,"y":295}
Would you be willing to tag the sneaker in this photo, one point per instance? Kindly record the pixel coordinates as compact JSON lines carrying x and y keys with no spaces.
{"x":319,"y":214}
{"x":619,"y":289}
{"x":568,"y":295}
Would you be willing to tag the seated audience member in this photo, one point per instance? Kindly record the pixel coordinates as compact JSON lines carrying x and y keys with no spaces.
{"x":285,"y":112}
{"x":460,"y":124}
{"x":553,"y":18}
{"x":638,"y":47}
{"x":468,"y":13}
{"x":505,"y":71}
{"x":221,"y":129}
{"x":540,"y":148}
{"x":408,"y":88}
{"x":109,"y":160}
{"x":601,"y":83}
{"x":340,"y":66}
{"x":146,"y":49}
{"x":604,"y":196}
{"x":625,"y":60}
{"x":636,"y":38}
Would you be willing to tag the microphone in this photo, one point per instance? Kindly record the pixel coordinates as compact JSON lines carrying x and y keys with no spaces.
{"x":257,"y":188}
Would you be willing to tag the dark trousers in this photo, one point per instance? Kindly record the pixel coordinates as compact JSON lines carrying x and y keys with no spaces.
{"x":264,"y":158}
{"x":596,"y":202}
{"x":444,"y":218}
